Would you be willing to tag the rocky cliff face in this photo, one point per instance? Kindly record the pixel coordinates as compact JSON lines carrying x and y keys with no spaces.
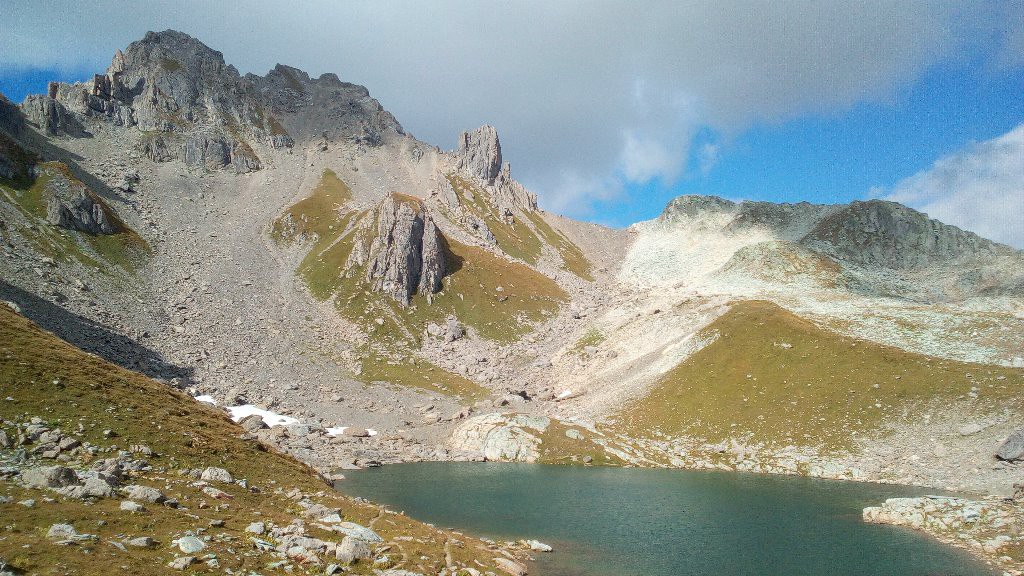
{"x":895,"y":236}
{"x":322,"y":108}
{"x":196,"y":108}
{"x":401,"y":250}
{"x":479,"y":156}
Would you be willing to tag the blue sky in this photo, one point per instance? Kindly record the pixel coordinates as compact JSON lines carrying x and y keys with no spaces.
{"x":608,"y":112}
{"x":840,"y":157}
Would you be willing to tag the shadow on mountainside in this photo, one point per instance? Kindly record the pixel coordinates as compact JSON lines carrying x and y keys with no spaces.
{"x":93,"y":337}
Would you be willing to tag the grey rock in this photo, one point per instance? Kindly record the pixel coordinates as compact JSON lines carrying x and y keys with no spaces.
{"x":352,"y":550}
{"x":257,"y":528}
{"x":538,"y":546}
{"x":355,"y":432}
{"x":252,"y":423}
{"x":67,"y":533}
{"x":51,"y":116}
{"x":1013,"y":448}
{"x":213,"y":474}
{"x":190,"y":544}
{"x":49,"y":477}
{"x":453,"y":330}
{"x":72,"y":205}
{"x":510,"y":566}
{"x":129,"y":506}
{"x":142,"y":542}
{"x":96,"y":486}
{"x":479,"y":153}
{"x":500,"y":437}
{"x":404,"y":254}
{"x":181,"y":563}
{"x":144,"y":494}
{"x":358,"y":532}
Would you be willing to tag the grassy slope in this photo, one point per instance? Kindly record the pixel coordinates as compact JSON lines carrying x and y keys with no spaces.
{"x":49,"y":378}
{"x":470,"y":293}
{"x":517,"y":239}
{"x":124,"y":249}
{"x":819,"y":392}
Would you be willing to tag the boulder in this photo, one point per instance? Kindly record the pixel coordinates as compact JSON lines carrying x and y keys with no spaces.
{"x":511,"y":566}
{"x":190,"y":544}
{"x":453,"y":330}
{"x":95,"y":486}
{"x":144,"y":494}
{"x":352,"y":550}
{"x":252,"y":423}
{"x":181,"y":562}
{"x":538,"y":546}
{"x":500,"y":437}
{"x":1013,"y":447}
{"x":129,"y":506}
{"x":355,"y":432}
{"x":142,"y":542}
{"x":358,"y":532}
{"x":49,"y":477}
{"x":213,"y":474}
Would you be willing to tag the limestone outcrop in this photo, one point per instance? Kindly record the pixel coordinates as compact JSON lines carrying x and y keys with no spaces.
{"x":479,"y":156}
{"x":500,"y":437}
{"x":400,"y":250}
{"x":71,"y":205}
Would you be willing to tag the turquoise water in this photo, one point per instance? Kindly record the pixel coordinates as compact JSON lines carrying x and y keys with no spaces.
{"x":615,"y":521}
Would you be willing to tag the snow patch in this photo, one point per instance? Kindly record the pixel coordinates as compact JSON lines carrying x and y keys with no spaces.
{"x":269,"y":418}
{"x":207,"y":399}
{"x":339,"y":430}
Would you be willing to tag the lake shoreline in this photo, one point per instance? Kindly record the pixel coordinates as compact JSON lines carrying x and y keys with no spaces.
{"x":835,"y":494}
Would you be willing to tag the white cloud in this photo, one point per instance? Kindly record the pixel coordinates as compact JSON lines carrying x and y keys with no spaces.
{"x":980,"y":188}
{"x":644,"y":159}
{"x":707,"y":156}
{"x":562,"y":81}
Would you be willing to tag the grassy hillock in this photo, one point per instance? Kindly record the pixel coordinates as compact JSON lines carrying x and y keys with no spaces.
{"x":497,"y":298}
{"x":782,"y":380}
{"x":42,"y":376}
{"x":28,"y":196}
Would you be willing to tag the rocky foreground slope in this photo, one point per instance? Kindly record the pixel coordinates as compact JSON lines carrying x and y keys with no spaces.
{"x":279,"y":245}
{"x":123,"y":471}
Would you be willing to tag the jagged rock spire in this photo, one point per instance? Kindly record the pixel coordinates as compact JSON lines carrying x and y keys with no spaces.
{"x":479,"y":153}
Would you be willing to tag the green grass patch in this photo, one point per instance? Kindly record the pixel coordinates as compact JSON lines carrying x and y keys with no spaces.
{"x":418,"y":373}
{"x":558,"y":448}
{"x":499,"y":299}
{"x":318,"y":215}
{"x":470,"y":293}
{"x":592,"y":337}
{"x":124,"y":249}
{"x":782,"y":380}
{"x":170,"y":65}
{"x":514,"y":237}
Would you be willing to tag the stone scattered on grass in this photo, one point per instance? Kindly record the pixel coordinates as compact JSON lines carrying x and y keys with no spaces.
{"x":213,"y":474}
{"x":190,"y":544}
